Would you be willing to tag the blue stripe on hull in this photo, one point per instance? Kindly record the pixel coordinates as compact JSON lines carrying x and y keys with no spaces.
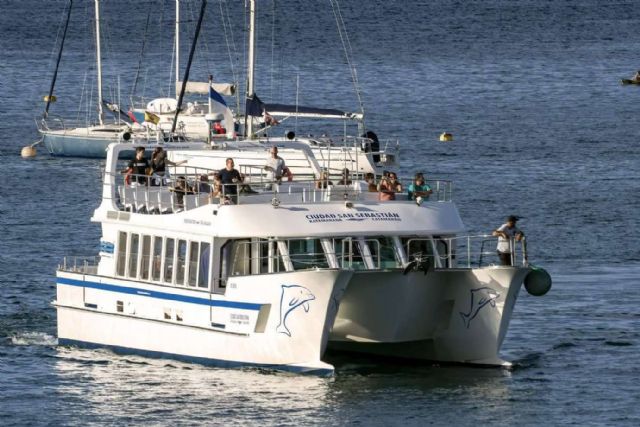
{"x":158,"y":295}
{"x":192,"y":359}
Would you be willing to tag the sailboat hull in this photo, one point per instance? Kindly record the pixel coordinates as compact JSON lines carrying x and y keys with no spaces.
{"x":87,"y":143}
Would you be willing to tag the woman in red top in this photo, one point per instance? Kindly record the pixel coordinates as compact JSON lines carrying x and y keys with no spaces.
{"x":388,"y":187}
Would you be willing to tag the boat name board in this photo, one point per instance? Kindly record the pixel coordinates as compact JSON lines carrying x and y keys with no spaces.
{"x":355,"y":217}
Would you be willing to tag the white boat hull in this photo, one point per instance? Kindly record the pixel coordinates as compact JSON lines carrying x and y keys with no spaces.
{"x":243,"y":328}
{"x":448,"y":315}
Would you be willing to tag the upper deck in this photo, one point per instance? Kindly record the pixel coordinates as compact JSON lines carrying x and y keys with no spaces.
{"x":259,"y":206}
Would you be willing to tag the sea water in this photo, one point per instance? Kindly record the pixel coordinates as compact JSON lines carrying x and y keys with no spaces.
{"x":541,"y":129}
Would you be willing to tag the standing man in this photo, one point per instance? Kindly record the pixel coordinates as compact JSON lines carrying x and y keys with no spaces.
{"x":136,"y":170}
{"x":230,"y":179}
{"x":507,"y":234}
{"x":276,"y":167}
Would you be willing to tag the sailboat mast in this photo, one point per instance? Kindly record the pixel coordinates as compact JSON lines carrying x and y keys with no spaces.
{"x":177,"y":47}
{"x":55,"y":73}
{"x":188,"y":67}
{"x":99,"y":64}
{"x":251,"y":64}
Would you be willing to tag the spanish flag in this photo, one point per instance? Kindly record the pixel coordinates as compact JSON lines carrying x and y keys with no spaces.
{"x":150,"y":117}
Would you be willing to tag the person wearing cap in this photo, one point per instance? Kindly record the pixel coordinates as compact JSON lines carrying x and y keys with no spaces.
{"x":507,"y":234}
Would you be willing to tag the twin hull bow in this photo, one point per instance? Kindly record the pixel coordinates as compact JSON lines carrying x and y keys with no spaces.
{"x":286,"y":320}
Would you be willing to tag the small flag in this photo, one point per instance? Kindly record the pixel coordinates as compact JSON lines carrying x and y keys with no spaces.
{"x":219,"y":106}
{"x":254,"y":107}
{"x":150,"y":117}
{"x":132,"y":116}
{"x":117,"y":112}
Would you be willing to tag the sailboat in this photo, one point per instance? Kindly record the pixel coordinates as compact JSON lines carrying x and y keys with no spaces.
{"x":360,"y":155}
{"x":63,"y":138}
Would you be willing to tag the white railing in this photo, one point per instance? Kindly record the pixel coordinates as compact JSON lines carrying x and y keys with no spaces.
{"x":481,"y":251}
{"x":187,"y":187}
{"x":80,"y":264}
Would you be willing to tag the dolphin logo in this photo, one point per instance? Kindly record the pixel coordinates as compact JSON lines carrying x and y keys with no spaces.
{"x":293,"y":296}
{"x":480,"y":297}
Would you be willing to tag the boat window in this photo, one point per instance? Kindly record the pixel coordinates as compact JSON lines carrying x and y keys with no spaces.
{"x":181,"y":262}
{"x":122,"y":253}
{"x":421,"y":247}
{"x":168,"y":260}
{"x":146,"y":257}
{"x":349,"y":254}
{"x":133,"y":255}
{"x":306,"y":254}
{"x":267,"y":256}
{"x":203,"y":270}
{"x":235,"y":259}
{"x":383,"y":252}
{"x":156,"y":262}
{"x":193,"y":263}
{"x":240,"y":258}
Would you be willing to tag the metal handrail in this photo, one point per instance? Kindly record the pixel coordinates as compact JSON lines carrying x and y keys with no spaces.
{"x":466,"y":245}
{"x":79,"y":264}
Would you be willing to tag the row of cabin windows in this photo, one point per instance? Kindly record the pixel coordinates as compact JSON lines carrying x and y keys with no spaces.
{"x":260,"y":256}
{"x":166,"y":260}
{"x":186,"y":263}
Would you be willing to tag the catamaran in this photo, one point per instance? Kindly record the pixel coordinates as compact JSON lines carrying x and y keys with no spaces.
{"x":280,"y":271}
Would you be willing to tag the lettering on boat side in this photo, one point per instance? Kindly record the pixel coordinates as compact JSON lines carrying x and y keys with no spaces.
{"x":479,"y":298}
{"x":293,"y":296}
{"x":239,"y":319}
{"x":353,"y":217}
{"x":196,"y":222}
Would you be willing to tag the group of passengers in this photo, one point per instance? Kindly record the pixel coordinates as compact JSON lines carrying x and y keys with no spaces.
{"x":323,"y":182}
{"x":227,"y":182}
{"x":141,"y":171}
{"x":386,"y":188}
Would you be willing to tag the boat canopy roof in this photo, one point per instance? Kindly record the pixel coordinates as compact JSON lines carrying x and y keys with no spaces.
{"x":283,"y":110}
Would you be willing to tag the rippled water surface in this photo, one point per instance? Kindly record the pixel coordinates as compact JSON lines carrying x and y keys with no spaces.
{"x":542,"y":128}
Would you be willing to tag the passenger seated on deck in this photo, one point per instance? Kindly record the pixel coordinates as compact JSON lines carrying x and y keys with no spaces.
{"x":371,"y":181}
{"x":324,"y":181}
{"x":203,"y":185}
{"x":418,"y":188}
{"x":216,"y":188}
{"x":345,"y":179}
{"x":181,"y":188}
{"x":636,"y":77}
{"x":388,"y":187}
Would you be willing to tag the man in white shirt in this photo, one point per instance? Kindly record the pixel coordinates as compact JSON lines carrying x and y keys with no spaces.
{"x":507,"y":234}
{"x":275,"y":165}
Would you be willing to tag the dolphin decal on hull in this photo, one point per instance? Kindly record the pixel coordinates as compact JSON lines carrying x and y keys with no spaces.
{"x":293,"y":296}
{"x":480,"y":297}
